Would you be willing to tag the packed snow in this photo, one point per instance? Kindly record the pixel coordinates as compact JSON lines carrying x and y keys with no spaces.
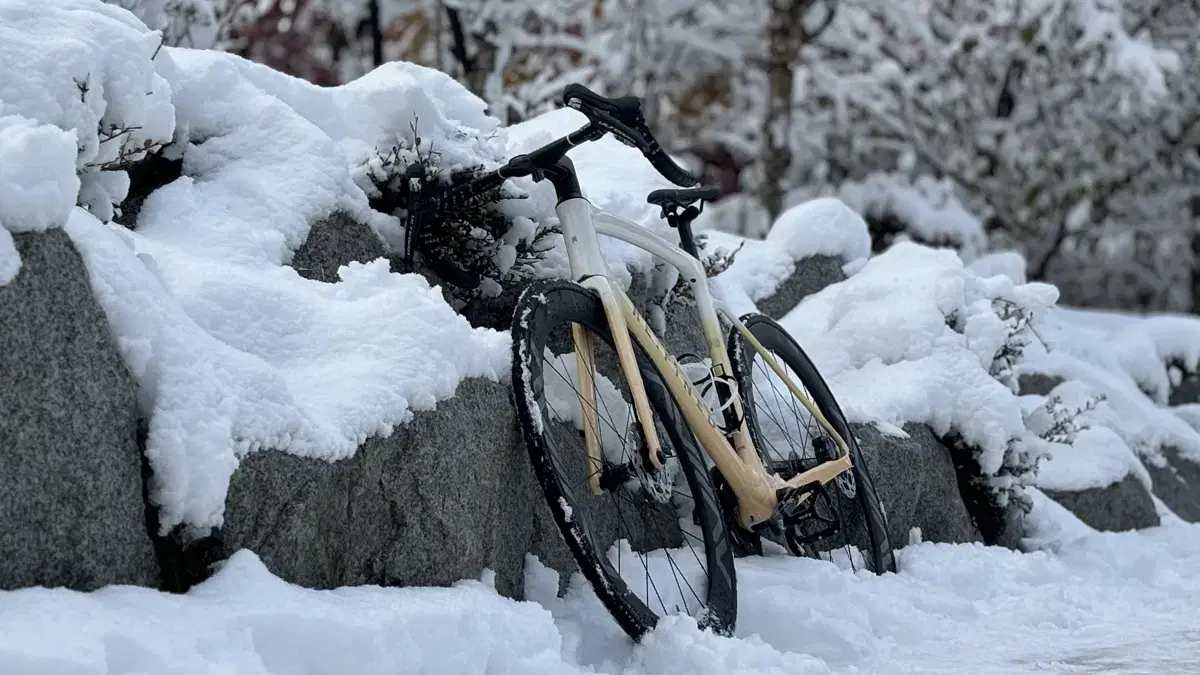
{"x":1078,"y":602}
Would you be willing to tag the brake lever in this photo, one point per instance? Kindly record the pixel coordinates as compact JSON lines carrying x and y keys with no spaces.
{"x":620,"y":131}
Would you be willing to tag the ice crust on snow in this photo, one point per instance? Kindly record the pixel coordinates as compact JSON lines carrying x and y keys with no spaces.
{"x":886,"y":342}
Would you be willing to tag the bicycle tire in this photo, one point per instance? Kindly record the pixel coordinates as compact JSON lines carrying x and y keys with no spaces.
{"x":541,"y":307}
{"x":775,"y":338}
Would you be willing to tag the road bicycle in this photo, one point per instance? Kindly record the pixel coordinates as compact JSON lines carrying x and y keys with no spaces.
{"x":699,"y":454}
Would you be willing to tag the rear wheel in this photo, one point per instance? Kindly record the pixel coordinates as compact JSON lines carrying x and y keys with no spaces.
{"x":653,"y":542}
{"x":790,"y":441}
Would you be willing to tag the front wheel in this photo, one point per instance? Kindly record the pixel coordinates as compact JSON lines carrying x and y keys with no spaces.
{"x":652,"y":542}
{"x":790,"y":440}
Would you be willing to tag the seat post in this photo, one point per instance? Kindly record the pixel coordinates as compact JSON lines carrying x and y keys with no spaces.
{"x":682,"y":221}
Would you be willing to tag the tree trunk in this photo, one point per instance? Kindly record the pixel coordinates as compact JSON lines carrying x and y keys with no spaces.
{"x":376,"y":33}
{"x":785,"y":35}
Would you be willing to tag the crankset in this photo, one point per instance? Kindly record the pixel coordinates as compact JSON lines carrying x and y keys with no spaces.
{"x":808,"y":515}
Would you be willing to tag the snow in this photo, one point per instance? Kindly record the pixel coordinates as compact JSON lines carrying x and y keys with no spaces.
{"x":204,"y":310}
{"x":928,"y":208}
{"x":1125,"y":359}
{"x":87,"y":68}
{"x":1078,"y":601}
{"x":38,"y":184}
{"x":308,"y":150}
{"x":882,"y":340}
{"x":1008,"y":263}
{"x":275,"y":361}
{"x":824,"y":226}
{"x":1085,"y":451}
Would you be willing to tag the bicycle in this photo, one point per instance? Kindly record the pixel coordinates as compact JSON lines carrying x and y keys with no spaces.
{"x":742,"y":489}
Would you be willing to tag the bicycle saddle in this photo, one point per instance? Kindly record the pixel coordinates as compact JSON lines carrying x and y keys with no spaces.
{"x":683,"y":197}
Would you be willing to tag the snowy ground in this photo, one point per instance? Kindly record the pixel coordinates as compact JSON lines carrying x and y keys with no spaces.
{"x":1083,"y":602}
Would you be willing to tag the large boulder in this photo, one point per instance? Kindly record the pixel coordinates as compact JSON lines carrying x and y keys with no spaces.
{"x":71,"y":507}
{"x":1039,"y":384}
{"x":1123,"y":505}
{"x":332,"y":242}
{"x":809,"y":276}
{"x":1177,"y":483}
{"x":443,"y":498}
{"x":916,"y":481}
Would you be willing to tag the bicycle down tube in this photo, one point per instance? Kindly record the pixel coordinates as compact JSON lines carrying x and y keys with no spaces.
{"x":739,"y":462}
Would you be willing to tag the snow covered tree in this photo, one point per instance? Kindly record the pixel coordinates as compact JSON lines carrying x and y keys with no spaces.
{"x":184,"y":23}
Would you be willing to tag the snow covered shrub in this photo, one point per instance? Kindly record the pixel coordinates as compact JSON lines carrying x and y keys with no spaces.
{"x":915,"y":336}
{"x":90,"y":69}
{"x":921,"y":209}
{"x":480,"y":250}
{"x":1057,"y":422}
{"x":184,"y":23}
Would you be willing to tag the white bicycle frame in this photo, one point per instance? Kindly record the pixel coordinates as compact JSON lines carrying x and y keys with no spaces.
{"x":733,"y":454}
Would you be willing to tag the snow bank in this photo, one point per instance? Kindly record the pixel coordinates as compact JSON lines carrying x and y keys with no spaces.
{"x":914,"y":336}
{"x":246,"y":621}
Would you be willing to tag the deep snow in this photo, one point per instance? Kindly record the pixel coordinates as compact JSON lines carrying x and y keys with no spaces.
{"x":1080,"y":602}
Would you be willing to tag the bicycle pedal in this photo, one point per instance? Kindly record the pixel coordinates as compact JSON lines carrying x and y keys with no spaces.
{"x":793,"y":503}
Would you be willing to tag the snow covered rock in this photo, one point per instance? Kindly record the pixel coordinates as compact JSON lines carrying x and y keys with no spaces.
{"x":443,"y":498}
{"x":915,"y":336}
{"x":332,"y":242}
{"x":1120,"y":506}
{"x":805,"y":251}
{"x":71,"y":508}
{"x":916,"y":480}
{"x":1177,"y":483}
{"x":1136,"y":368}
